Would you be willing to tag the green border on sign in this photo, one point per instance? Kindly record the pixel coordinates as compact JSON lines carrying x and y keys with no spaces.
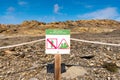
{"x":57,"y":31}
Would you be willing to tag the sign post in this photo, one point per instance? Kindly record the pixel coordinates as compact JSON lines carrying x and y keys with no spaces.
{"x":57,"y":73}
{"x":57,"y":42}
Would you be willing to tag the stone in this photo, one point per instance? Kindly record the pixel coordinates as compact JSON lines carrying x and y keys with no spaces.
{"x":8,"y":52}
{"x":33,"y":79}
{"x":108,"y":78}
{"x":22,"y":54}
{"x":108,"y":48}
{"x":1,"y":65}
{"x":73,"y":72}
{"x":118,"y":64}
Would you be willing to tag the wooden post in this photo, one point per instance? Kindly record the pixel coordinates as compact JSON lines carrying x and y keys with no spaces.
{"x":57,"y":72}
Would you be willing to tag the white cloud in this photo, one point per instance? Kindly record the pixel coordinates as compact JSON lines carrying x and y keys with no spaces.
{"x":9,"y":16}
{"x":8,"y":19}
{"x":47,"y":19}
{"x":56,"y":9}
{"x":88,"y":6}
{"x":22,"y":3}
{"x":106,"y":13}
{"x":10,"y":9}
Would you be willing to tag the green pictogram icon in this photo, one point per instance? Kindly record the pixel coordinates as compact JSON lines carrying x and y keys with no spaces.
{"x":63,"y":46}
{"x":52,"y":43}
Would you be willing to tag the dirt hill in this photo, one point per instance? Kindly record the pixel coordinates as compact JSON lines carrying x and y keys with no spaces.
{"x":36,"y":28}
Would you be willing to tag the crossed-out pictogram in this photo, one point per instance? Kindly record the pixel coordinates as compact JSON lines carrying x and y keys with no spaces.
{"x":52,"y":43}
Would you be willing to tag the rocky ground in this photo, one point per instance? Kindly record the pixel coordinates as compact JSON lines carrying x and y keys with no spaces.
{"x":95,"y":62}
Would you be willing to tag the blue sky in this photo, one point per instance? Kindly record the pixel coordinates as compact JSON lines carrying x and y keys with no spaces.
{"x":17,"y":11}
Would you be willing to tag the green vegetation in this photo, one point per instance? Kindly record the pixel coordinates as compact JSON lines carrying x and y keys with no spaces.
{"x":63,"y":45}
{"x":52,"y":43}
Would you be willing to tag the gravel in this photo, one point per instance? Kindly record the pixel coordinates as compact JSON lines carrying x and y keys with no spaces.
{"x":28,"y":62}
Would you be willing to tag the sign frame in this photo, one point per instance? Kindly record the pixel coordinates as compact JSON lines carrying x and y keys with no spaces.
{"x":57,"y":41}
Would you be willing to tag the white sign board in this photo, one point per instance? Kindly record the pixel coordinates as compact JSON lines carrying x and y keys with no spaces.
{"x":57,"y":41}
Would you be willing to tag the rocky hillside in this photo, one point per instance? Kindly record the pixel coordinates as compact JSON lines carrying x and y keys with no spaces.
{"x":36,"y":28}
